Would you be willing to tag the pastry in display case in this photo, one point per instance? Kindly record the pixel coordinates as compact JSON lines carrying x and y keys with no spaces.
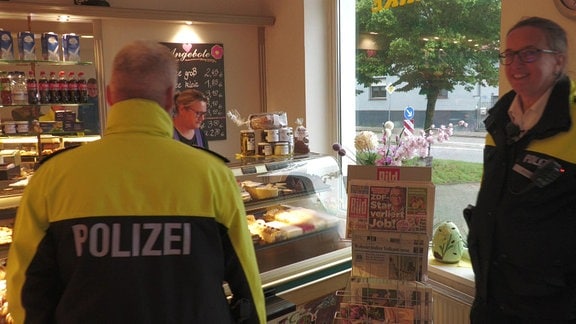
{"x":294,"y":207}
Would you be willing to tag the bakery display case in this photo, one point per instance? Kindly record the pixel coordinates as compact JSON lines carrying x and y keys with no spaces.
{"x":296,"y":210}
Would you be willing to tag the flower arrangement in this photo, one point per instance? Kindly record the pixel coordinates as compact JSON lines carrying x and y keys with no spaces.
{"x":394,"y":149}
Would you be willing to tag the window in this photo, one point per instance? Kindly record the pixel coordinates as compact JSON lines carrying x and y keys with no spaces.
{"x":443,"y":94}
{"x":438,"y":59}
{"x":378,"y":92}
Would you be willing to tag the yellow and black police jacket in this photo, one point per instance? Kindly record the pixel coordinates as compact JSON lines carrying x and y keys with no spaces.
{"x":133,"y":228}
{"x":522,"y":232}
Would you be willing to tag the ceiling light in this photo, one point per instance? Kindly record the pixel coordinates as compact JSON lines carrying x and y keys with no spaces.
{"x":63,"y":18}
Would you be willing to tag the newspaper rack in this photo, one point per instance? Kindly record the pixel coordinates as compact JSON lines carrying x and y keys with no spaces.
{"x":389,"y":221}
{"x":373,"y":300}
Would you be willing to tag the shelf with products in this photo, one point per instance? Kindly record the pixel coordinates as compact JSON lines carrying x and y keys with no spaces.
{"x":49,"y":104}
{"x":31,"y":148}
{"x":60,"y":86}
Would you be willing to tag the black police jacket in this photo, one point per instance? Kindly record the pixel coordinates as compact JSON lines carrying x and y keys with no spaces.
{"x":522,"y":230}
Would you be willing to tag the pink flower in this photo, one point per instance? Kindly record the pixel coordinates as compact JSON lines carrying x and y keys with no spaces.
{"x":393,"y":149}
{"x":217,"y":52}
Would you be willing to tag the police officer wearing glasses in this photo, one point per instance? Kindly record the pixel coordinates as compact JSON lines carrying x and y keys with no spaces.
{"x":189,"y":112}
{"x":522,"y":230}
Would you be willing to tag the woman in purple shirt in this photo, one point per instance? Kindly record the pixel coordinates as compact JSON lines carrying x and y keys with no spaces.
{"x":189,"y":113}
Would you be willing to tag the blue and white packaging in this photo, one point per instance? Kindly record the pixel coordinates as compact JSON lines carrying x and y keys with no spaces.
{"x":26,"y":46}
{"x":6,"y":45}
{"x":71,"y":47}
{"x":50,"y":46}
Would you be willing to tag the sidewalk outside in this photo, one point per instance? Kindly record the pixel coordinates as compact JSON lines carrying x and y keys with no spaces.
{"x":451,"y":200}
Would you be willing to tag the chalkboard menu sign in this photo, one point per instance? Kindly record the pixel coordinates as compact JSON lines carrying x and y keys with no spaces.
{"x":201,"y":67}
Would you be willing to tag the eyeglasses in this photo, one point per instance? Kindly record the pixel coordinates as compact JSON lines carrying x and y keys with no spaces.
{"x":526,"y":55}
{"x":199,"y":114}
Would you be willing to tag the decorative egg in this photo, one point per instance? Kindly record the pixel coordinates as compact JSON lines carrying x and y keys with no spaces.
{"x":447,"y":243}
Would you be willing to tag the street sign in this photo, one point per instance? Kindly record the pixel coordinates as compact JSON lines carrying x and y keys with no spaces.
{"x":390,"y":88}
{"x":408,"y":127}
{"x":408,"y":112}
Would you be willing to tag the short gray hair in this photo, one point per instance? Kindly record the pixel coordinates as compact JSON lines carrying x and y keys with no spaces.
{"x":143,"y":69}
{"x":555,"y":34}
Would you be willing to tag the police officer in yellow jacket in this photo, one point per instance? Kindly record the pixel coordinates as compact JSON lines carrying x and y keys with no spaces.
{"x":522,"y":231}
{"x":136,"y":227}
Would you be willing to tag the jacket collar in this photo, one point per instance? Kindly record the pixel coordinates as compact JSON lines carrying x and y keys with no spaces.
{"x":138,"y":115}
{"x":556,"y":117}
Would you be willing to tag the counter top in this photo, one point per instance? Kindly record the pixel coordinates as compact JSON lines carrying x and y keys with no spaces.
{"x":9,"y":196}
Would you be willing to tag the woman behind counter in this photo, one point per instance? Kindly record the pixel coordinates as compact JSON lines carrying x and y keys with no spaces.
{"x":189,"y":113}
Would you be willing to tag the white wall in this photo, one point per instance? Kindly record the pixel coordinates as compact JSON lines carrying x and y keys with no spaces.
{"x":285,"y":60}
{"x":320,"y":71}
{"x":240,"y":61}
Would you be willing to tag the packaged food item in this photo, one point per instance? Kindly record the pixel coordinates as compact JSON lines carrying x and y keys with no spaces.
{"x":9,"y":127}
{"x":26,"y":46}
{"x":286,"y":134}
{"x":71,"y":47}
{"x":247,"y":142}
{"x":6,"y":45}
{"x":5,"y":88}
{"x":19,"y":91}
{"x":301,"y":141}
{"x":273,"y":120}
{"x":281,"y":149}
{"x":50,"y":46}
{"x":264,"y":149}
{"x":32,"y":88}
{"x":47,"y":126}
{"x":22,"y":127}
{"x":271,"y":135}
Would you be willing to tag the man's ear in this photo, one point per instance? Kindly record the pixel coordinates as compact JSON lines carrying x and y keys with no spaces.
{"x":108,"y":95}
{"x":560,"y":63}
{"x":169,"y":99}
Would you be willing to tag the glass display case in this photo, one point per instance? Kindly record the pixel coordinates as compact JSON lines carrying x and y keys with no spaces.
{"x":296,"y":210}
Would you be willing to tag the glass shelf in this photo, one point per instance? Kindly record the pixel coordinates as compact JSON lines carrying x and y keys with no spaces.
{"x":42,"y":62}
{"x":48,"y":104}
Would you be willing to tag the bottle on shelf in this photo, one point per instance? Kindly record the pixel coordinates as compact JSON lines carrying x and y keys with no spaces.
{"x":72,"y":88}
{"x":32,"y":88}
{"x":82,"y":88}
{"x":54,"y":87}
{"x":44,"y":88}
{"x":63,"y":84}
{"x":19,"y":91}
{"x":6,"y":85}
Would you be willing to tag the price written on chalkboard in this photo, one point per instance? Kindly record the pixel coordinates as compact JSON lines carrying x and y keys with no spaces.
{"x":201,"y":67}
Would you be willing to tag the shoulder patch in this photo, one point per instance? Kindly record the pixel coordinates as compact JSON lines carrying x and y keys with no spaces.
{"x":225,"y":160}
{"x":49,"y":156}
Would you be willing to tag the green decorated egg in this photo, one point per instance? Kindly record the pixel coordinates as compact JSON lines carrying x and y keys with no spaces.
{"x":447,"y":243}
